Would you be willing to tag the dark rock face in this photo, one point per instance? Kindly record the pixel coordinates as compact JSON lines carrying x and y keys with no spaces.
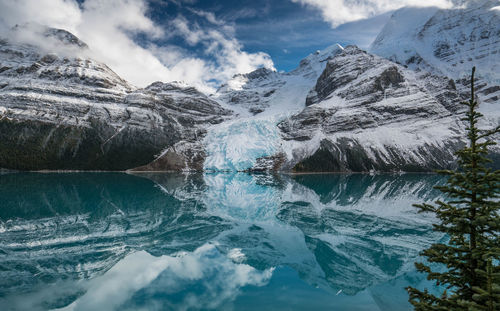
{"x":73,"y":113}
{"x":338,"y":74}
{"x":347,"y":155}
{"x":35,"y":145}
{"x":183,"y":156}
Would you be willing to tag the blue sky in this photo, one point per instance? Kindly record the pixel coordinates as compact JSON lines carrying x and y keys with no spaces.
{"x":285,"y":30}
{"x":206,"y":42}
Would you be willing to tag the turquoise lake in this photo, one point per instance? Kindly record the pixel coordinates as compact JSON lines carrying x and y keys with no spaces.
{"x":232,"y":241}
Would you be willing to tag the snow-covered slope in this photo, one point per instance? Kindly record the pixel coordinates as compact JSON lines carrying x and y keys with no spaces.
{"x":448,"y":42}
{"x":273,"y":92}
{"x":400,"y":111}
{"x":60,"y":110}
{"x":368,"y":113}
{"x":362,"y":113}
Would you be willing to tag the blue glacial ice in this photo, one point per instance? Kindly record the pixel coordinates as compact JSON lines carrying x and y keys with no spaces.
{"x":236,"y":145}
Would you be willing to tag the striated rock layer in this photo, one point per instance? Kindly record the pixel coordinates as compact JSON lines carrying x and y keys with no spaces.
{"x":448,"y":42}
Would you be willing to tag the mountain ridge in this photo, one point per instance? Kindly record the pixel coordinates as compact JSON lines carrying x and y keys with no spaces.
{"x":341,"y":109}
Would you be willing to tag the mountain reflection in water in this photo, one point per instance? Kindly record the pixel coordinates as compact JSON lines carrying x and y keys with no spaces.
{"x":113,"y":241}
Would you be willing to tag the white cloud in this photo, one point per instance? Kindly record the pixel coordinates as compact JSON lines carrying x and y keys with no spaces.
{"x":56,"y":13}
{"x":108,"y":27}
{"x":338,"y":12}
{"x":208,"y":15}
{"x":220,"y":45}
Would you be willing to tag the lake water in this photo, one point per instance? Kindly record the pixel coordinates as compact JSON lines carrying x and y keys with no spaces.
{"x":114,"y":241}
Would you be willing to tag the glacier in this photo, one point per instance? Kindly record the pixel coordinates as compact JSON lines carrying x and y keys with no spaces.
{"x":261,"y":100}
{"x":237,"y":144}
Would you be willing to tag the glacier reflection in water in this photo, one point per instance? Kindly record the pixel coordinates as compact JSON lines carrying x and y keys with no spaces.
{"x":113,"y":241}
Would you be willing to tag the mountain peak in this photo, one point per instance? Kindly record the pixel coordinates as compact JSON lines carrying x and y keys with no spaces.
{"x":321,"y":56}
{"x":37,"y":34}
{"x":65,"y":37}
{"x":445,"y":41}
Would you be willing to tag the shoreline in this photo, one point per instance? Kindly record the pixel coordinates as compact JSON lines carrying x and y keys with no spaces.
{"x":6,"y":171}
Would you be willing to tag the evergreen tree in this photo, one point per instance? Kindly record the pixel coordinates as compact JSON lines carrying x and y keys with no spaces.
{"x":468,"y":264}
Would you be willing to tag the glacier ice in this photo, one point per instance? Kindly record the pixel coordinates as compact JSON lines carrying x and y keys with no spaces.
{"x":237,"y":144}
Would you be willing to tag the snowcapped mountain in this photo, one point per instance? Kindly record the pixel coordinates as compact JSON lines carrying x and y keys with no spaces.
{"x":64,"y":111}
{"x":400,"y":111}
{"x":447,"y":42}
{"x":261,"y":99}
{"x":341,"y":109}
{"x":362,"y":113}
{"x":368,"y":113}
{"x":264,"y":89}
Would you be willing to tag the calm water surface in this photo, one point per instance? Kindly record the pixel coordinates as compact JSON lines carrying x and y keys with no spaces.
{"x":113,"y":241}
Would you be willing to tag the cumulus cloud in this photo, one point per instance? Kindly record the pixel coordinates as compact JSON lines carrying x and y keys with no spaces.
{"x":109,"y":28}
{"x":220,"y":45}
{"x":338,"y":12}
{"x":57,"y":13}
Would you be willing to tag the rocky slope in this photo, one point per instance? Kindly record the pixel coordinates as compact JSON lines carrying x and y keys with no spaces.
{"x":363,"y":113}
{"x":267,"y":91}
{"x":66,"y":111}
{"x":398,"y":112}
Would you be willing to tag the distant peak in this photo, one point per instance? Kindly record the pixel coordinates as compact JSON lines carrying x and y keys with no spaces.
{"x":60,"y":35}
{"x":65,"y":37}
{"x":322,"y":55}
{"x":258,"y":73}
